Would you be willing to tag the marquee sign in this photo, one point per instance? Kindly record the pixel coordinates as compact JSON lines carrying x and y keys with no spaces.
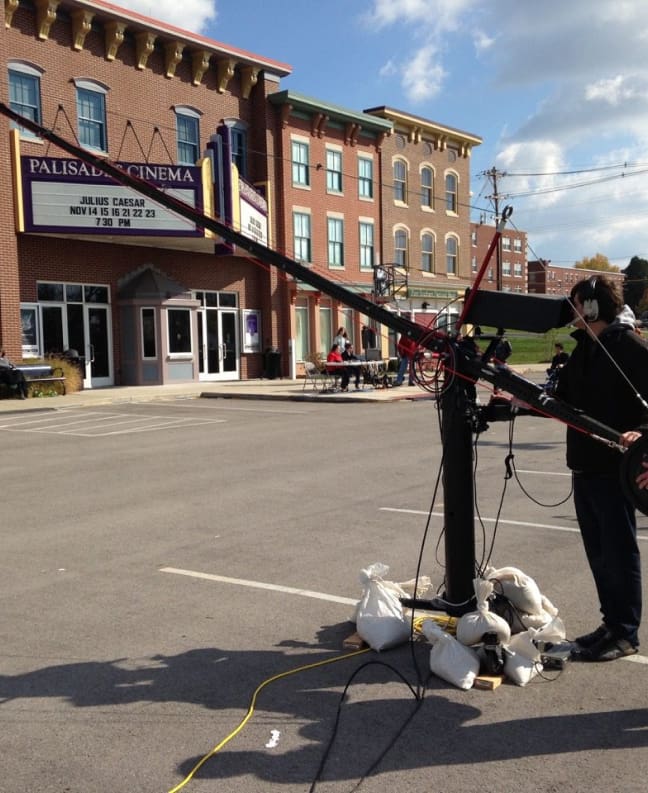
{"x":67,"y":195}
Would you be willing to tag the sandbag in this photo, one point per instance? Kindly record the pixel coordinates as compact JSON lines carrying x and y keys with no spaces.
{"x":379,"y":616}
{"x":450,"y":660}
{"x":472,"y":626}
{"x":518,"y":587}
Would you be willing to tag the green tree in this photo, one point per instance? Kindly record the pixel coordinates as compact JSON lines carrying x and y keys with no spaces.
{"x":635,"y":282}
{"x":596,"y":262}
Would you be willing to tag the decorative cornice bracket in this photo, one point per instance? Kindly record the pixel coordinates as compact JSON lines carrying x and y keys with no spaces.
{"x":144,"y":44}
{"x":45,"y":17}
{"x":249,"y":78}
{"x":81,"y":25}
{"x":172,"y":56}
{"x":199,"y":65}
{"x":224,"y":73}
{"x":114,"y":38}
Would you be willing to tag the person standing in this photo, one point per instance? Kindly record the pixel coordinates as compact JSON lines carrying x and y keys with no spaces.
{"x":407,"y":349}
{"x":560,"y":358}
{"x":603,"y":376}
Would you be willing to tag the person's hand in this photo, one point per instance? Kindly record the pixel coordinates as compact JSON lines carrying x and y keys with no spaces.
{"x":642,"y":479}
{"x":629,"y":437}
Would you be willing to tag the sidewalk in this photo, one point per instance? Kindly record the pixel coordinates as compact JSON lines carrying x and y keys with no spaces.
{"x":280,"y":389}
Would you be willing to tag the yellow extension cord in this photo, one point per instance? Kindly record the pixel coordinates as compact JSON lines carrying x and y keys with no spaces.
{"x":248,"y":715}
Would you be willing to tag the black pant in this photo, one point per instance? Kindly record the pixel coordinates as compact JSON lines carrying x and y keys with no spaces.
{"x":15,"y":379}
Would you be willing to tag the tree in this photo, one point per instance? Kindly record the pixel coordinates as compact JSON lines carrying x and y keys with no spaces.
{"x":635,"y":282}
{"x":596,"y":262}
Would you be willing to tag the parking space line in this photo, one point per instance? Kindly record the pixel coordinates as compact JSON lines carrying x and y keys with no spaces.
{"x":261,"y":585}
{"x":493,"y":520}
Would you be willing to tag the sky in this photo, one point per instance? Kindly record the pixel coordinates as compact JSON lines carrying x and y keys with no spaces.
{"x":558,"y":91}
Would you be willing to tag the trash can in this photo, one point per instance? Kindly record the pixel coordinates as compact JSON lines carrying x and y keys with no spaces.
{"x":272,"y":363}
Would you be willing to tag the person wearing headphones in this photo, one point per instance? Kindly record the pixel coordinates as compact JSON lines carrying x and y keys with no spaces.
{"x":603,"y":376}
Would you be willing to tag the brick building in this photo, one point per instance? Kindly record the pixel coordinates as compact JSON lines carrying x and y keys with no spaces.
{"x":425,"y":195}
{"x":146,"y":297}
{"x":550,"y":279}
{"x":328,"y":210}
{"x":513,"y":275}
{"x":90,"y":265}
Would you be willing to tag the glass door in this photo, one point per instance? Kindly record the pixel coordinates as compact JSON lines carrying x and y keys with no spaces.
{"x":218,"y":345}
{"x":98,"y":363}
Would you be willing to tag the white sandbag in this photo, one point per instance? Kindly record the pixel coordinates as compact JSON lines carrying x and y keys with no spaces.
{"x":522,"y":658}
{"x":553,"y":632}
{"x":450,"y":660}
{"x":421,"y":586}
{"x":518,"y":587}
{"x":379,"y":617}
{"x":536,"y":621}
{"x":472,"y":626}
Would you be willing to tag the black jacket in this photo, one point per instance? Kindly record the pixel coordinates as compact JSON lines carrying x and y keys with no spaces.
{"x":591,"y":382}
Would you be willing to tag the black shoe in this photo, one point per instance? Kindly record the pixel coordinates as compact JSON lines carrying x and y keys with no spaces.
{"x":590,"y":639}
{"x":607,"y":649}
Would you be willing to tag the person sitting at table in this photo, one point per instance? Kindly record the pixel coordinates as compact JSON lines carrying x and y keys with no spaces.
{"x":335,"y":357}
{"x":12,"y":377}
{"x":354,"y":369}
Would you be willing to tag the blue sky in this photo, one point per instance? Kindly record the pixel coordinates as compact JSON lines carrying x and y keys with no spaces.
{"x":557,"y":90}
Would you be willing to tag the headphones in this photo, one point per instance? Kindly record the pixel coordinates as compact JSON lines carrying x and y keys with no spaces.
{"x":590,"y":303}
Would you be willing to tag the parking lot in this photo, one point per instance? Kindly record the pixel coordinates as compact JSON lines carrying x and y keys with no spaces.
{"x":162,"y":561}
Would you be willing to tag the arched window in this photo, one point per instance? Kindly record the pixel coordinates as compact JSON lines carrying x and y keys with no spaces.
{"x":427,"y":253}
{"x":24,"y":93}
{"x":187,"y":134}
{"x":452,"y":254}
{"x":401,"y":252}
{"x":427,"y":187}
{"x":91,"y":114}
{"x":400,"y":181}
{"x":452,"y":202}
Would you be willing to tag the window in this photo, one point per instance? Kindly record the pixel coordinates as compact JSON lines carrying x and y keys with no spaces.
{"x":239,"y":149}
{"x":427,"y":188}
{"x":401,"y":258}
{"x":473,"y":238}
{"x":179,"y":321}
{"x":335,"y":242}
{"x":366,"y":245}
{"x":400,"y":181}
{"x":302,"y":236}
{"x":300,"y":175}
{"x":149,"y":344}
{"x":473,"y":264}
{"x":91,"y":113}
{"x":517,"y":245}
{"x":506,"y":243}
{"x":427,"y":253}
{"x":451,"y":192}
{"x":365,"y":177}
{"x":506,"y":268}
{"x":302,"y":336}
{"x":517,"y":270}
{"x":24,"y":94}
{"x":326,"y":334}
{"x":451,"y":255}
{"x":333,"y":171}
{"x":188,"y":136}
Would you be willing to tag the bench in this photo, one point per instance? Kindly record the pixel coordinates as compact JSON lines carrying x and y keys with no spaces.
{"x":38,"y":373}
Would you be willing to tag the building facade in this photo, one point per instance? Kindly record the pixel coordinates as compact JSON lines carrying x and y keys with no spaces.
{"x":512,"y":275}
{"x":142,"y":295}
{"x":425,"y":210}
{"x":147,"y":297}
{"x":550,"y":279}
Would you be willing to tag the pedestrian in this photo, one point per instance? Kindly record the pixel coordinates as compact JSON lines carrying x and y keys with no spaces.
{"x":503,"y":348}
{"x":407,"y":349}
{"x":560,"y":358}
{"x":341,"y":338}
{"x":603,"y":377}
{"x":11,"y":377}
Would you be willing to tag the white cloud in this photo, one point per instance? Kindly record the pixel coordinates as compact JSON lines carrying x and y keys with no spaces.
{"x":190,"y":15}
{"x":422,"y":76}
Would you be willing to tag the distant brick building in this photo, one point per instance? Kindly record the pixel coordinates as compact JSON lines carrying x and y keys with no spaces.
{"x":550,"y":279}
{"x":425,"y":195}
{"x":513,"y":258}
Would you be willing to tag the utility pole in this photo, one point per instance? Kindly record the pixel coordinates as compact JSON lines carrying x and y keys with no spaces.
{"x":494,"y":175}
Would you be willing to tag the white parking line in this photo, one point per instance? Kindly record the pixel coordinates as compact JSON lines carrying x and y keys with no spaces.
{"x":307,"y":593}
{"x":494,"y":520}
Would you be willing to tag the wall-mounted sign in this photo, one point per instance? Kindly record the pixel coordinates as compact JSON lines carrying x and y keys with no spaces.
{"x":251,"y":327}
{"x":254,"y":213}
{"x":69,"y":195}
